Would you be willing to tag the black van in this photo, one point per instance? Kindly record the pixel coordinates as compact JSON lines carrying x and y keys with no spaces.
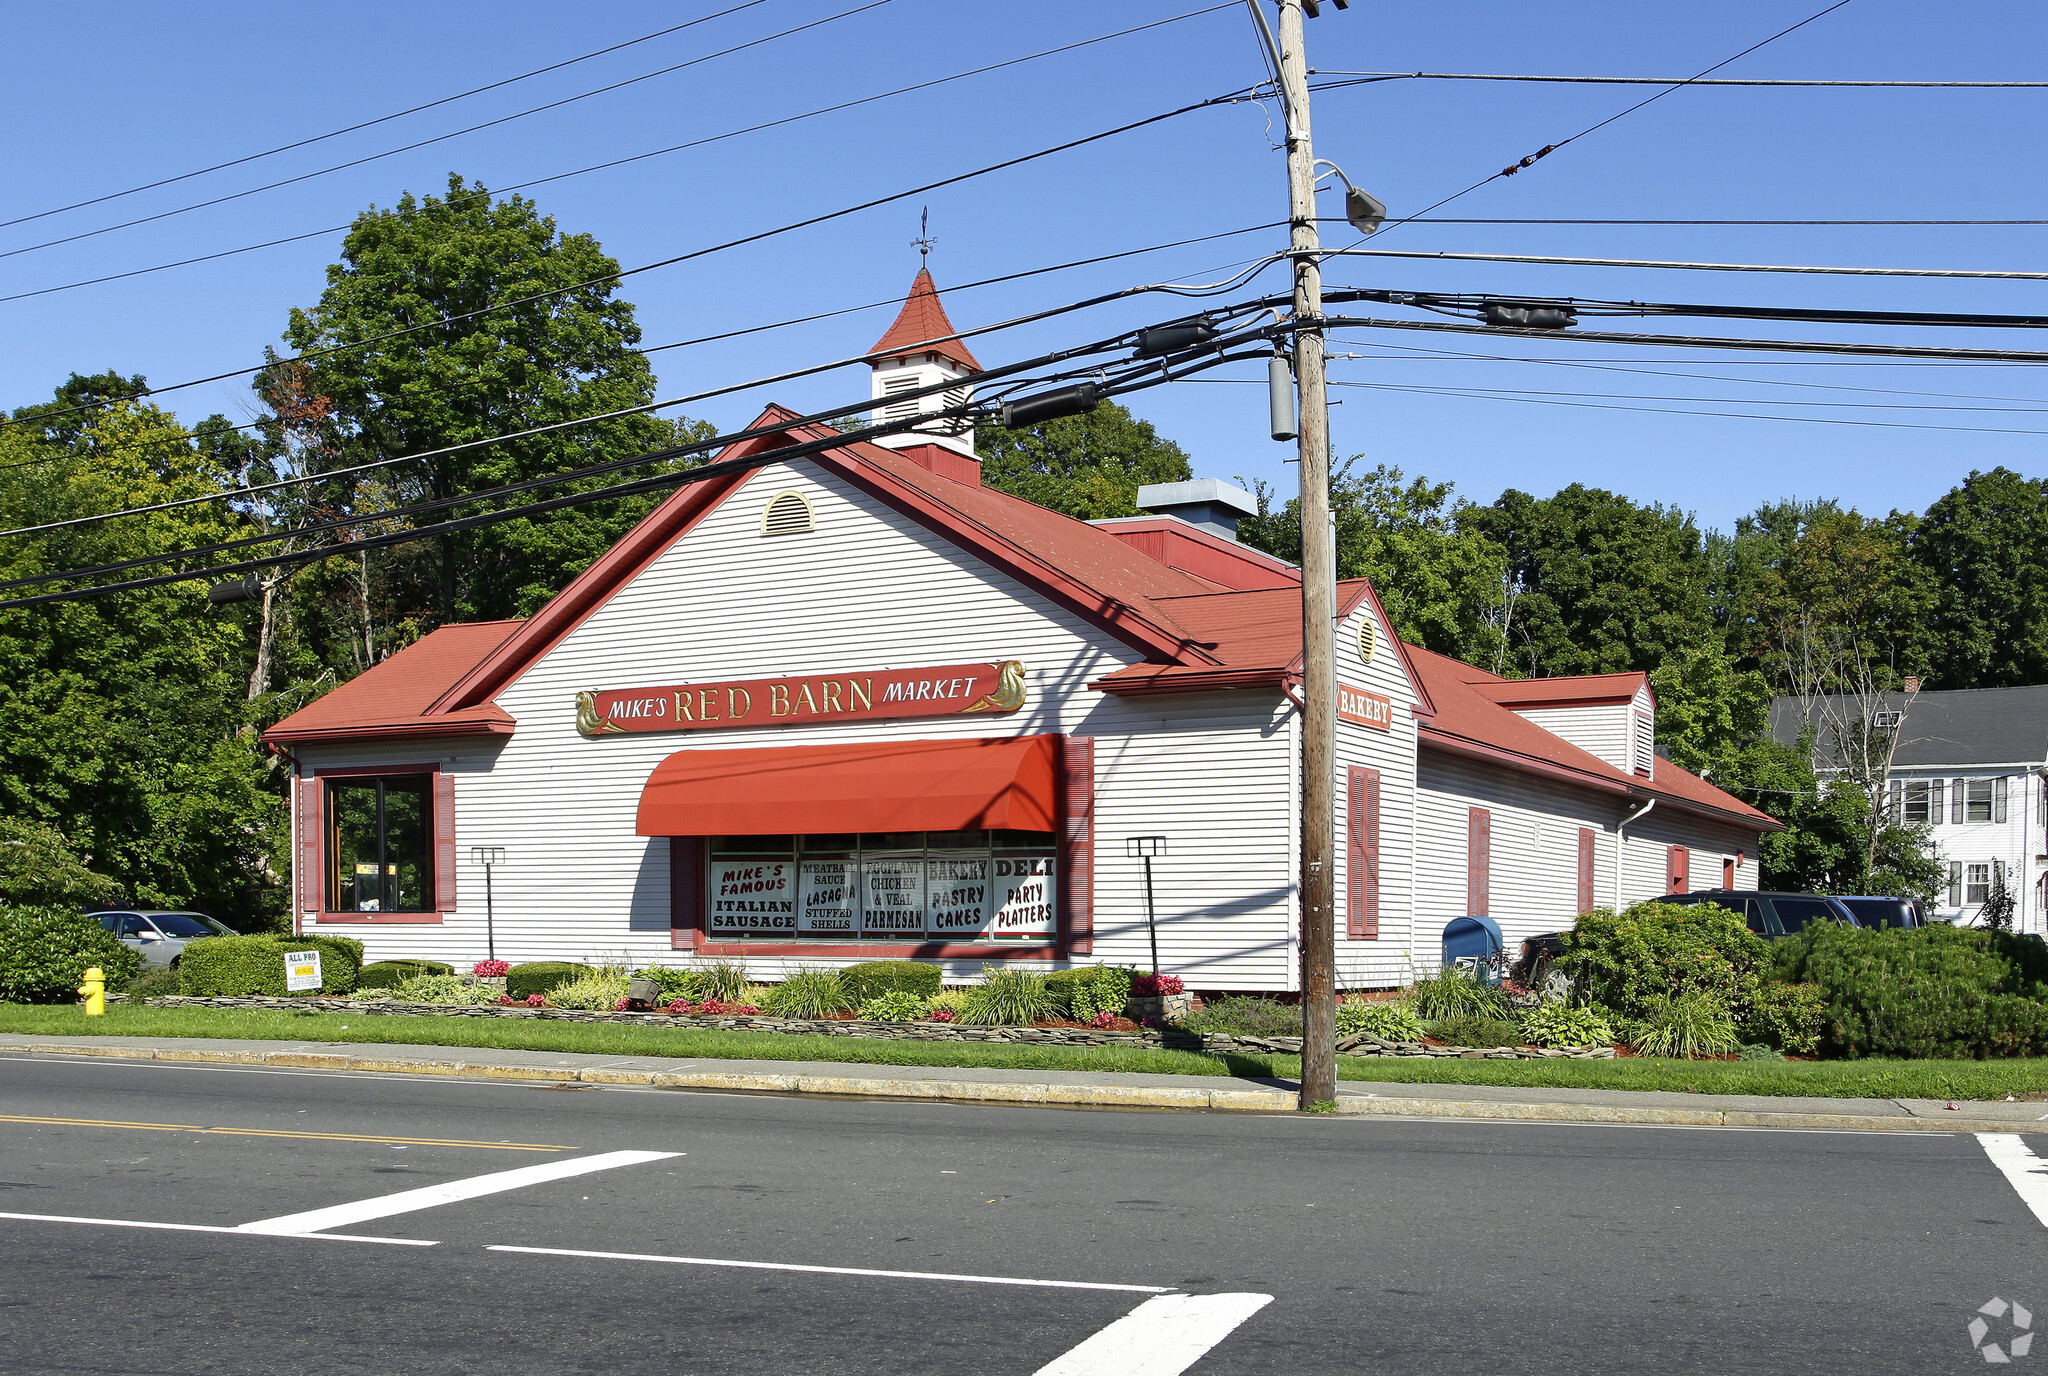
{"x":1772,"y":915}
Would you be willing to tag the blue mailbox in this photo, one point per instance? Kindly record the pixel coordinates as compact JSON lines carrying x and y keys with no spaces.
{"x":1474,"y":939}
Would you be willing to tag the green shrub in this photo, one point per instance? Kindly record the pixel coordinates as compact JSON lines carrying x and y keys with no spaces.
{"x":724,"y":980}
{"x":1240,"y":1015}
{"x":1686,"y":1027}
{"x":1454,"y":992}
{"x":231,"y":966}
{"x":1082,"y":993}
{"x":808,"y":993}
{"x":39,"y":869}
{"x":1006,"y":997}
{"x":1562,"y":1024}
{"x":1785,"y":1016}
{"x":542,"y":976}
{"x":1933,"y":991}
{"x":862,"y":982}
{"x":676,"y":983}
{"x":953,"y":1001}
{"x":894,"y":1006}
{"x":444,"y":989}
{"x":1476,"y":1032}
{"x":1391,"y":1019}
{"x":1658,"y":951}
{"x":152,"y":984}
{"x":45,"y":952}
{"x":389,"y":974}
{"x":600,"y":990}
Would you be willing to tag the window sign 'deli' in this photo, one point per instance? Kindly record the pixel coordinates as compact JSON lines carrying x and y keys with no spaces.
{"x":941,"y":691}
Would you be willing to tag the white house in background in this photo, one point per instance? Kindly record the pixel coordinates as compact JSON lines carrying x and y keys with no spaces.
{"x":1972,"y":764}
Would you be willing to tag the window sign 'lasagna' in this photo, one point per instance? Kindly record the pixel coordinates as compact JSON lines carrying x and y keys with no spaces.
{"x":943,"y":691}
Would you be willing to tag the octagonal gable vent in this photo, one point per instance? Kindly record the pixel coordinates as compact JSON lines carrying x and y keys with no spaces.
{"x":788,"y":514}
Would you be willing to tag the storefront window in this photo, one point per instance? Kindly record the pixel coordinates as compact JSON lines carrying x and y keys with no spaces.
{"x":952,"y":886}
{"x":380,"y":845}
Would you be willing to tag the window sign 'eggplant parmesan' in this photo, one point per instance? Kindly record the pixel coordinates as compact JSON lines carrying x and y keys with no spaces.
{"x":947,"y":690}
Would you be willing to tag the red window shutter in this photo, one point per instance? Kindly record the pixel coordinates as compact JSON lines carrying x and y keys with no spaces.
{"x":444,"y":842}
{"x":312,"y":881}
{"x":1585,"y":869}
{"x":1678,"y":864}
{"x":1362,"y":903}
{"x":685,"y":891}
{"x":1478,"y":862}
{"x":1077,"y":843}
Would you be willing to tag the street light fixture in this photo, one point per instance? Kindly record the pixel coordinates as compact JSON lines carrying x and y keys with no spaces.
{"x":489,"y":856}
{"x":1145,"y":847}
{"x":1365,"y":211}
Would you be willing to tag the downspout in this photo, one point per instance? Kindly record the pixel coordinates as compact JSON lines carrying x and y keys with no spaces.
{"x":1637,"y":815}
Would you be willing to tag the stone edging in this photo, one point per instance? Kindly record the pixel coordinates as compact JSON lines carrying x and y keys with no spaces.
{"x":1362,"y":1044}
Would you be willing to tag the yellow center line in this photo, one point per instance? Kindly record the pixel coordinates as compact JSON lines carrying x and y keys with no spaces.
{"x":267,"y":1132}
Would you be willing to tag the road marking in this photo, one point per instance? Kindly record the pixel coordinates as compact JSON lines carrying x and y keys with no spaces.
{"x":203,"y":1228}
{"x":2027,"y":1172}
{"x":835,"y":1270}
{"x":267,"y":1132}
{"x":1161,"y":1337}
{"x":406,"y":1201}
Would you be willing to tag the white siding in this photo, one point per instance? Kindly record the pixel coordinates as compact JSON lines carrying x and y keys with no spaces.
{"x":1602,"y":731}
{"x":1646,"y":854}
{"x":1384,"y":961}
{"x":2017,"y":841}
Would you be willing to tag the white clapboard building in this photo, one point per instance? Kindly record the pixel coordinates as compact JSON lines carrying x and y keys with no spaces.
{"x":854,"y":705}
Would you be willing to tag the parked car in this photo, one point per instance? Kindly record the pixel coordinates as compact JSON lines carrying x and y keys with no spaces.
{"x":161,"y":936}
{"x":1772,"y":915}
{"x":1873,"y":911}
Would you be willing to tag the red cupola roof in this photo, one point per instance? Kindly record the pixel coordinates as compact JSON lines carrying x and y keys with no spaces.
{"x":922,"y":318}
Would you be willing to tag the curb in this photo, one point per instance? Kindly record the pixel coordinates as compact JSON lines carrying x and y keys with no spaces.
{"x":1098,"y":1096}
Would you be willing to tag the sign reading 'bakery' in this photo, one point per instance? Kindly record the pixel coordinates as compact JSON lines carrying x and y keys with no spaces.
{"x":1367,"y":709}
{"x":943,"y":691}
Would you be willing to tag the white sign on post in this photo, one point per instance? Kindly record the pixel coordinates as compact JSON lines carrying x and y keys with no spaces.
{"x":301,"y":971}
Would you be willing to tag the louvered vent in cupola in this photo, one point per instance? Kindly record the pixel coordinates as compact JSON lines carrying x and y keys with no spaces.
{"x":788,"y":514}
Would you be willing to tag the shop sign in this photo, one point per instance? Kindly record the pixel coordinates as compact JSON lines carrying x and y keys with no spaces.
{"x":942,"y":691}
{"x":753,"y":896}
{"x":1367,"y":709}
{"x":301,"y":971}
{"x":897,"y":898}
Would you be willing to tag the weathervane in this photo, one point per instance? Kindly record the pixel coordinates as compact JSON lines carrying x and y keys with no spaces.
{"x":924,"y":243}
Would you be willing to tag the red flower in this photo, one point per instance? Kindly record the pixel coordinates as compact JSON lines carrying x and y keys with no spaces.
{"x":622,"y":1005}
{"x":490,"y":969}
{"x":1153,"y":986}
{"x":504,"y":998}
{"x":942,"y":1015}
{"x":1103,"y":1019}
{"x":536,"y":1000}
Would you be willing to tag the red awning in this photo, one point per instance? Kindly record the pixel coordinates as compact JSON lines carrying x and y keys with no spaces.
{"x":966,"y":785}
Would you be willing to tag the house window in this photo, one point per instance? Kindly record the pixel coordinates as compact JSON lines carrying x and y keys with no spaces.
{"x":380,"y":844}
{"x":1978,"y":800}
{"x":1922,"y":802}
{"x":1977,"y":883}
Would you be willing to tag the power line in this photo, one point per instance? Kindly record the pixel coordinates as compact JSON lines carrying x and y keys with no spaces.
{"x":1368,"y":77}
{"x":1996,"y":276}
{"x":1485,"y":305}
{"x":636,"y":157}
{"x":1418,"y":220}
{"x":381,"y":119}
{"x":438,"y":138}
{"x":1674,"y":341}
{"x":2041,"y":409}
{"x":679,"y":258}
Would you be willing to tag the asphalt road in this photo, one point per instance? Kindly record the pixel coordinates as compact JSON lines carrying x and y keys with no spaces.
{"x":1394,"y":1245}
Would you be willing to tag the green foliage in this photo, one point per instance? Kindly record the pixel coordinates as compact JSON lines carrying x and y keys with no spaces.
{"x":806,"y":993}
{"x":598,"y":991}
{"x":675,"y":983}
{"x":38,"y":868}
{"x":1483,"y":1032}
{"x":450,"y":988}
{"x":1089,"y":466}
{"x":1685,"y":1026}
{"x":862,"y":982}
{"x":1007,"y":997}
{"x":895,"y":1006}
{"x":153,"y":984}
{"x":1391,"y":1019}
{"x":542,"y":976}
{"x":1083,"y":992}
{"x":45,"y":952}
{"x":1244,"y":1016}
{"x":1554,"y":1024}
{"x":1453,"y":992}
{"x":724,"y":980}
{"x":952,"y":1000}
{"x":389,"y":974}
{"x":1984,"y":547}
{"x":1785,"y":1016}
{"x":1656,"y":951}
{"x":1933,"y":991}
{"x":231,"y":966}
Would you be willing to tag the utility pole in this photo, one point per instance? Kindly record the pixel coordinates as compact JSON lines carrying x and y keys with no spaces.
{"x":1318,"y":590}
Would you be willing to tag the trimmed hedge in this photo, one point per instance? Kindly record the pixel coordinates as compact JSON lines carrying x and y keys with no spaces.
{"x":236,"y":965}
{"x":45,"y":952}
{"x":1632,"y":960}
{"x":389,"y":974}
{"x":870,"y":978}
{"x":1090,"y":989}
{"x":543,"y":976}
{"x":1933,"y":991}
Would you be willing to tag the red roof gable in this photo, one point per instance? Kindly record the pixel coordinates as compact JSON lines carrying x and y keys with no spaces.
{"x":921,"y":320}
{"x":393,"y":698}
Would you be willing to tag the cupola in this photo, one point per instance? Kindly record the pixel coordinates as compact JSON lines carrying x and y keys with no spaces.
{"x":914,"y":354}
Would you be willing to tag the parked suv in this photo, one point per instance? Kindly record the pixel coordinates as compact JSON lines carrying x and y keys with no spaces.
{"x":161,"y":936}
{"x":1874,"y":911}
{"x":1772,"y":915}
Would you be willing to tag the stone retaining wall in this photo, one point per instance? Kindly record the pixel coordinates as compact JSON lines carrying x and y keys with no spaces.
{"x":1168,"y":1038}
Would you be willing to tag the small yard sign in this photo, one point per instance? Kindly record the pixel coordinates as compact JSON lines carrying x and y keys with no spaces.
{"x":301,"y":971}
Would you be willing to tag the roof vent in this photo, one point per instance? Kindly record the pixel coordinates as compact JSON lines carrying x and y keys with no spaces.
{"x":788,"y":514}
{"x":1213,"y":505}
{"x":1888,"y":721}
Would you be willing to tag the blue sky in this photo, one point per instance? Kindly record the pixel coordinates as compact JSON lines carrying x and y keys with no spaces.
{"x":105,"y":96}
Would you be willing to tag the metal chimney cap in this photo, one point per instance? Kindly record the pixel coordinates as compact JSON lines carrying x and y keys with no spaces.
{"x":1198,"y":492}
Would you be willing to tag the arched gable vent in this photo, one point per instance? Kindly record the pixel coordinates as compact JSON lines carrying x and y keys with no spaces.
{"x":788,"y":514}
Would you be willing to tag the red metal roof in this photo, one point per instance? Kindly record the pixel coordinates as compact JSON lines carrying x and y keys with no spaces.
{"x":923,"y":318}
{"x":393,"y":698}
{"x":1578,"y":690}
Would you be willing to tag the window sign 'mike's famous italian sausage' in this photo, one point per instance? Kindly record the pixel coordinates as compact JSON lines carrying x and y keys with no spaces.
{"x":943,"y":691}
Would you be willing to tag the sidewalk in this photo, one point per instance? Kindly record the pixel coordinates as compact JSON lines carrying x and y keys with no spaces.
{"x":1069,"y":1088}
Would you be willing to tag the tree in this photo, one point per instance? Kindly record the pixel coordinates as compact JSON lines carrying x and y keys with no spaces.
{"x":1984,"y":547}
{"x":1439,"y":579}
{"x":563,"y":357}
{"x":1088,"y":466}
{"x":39,"y":867}
{"x":1599,"y":584}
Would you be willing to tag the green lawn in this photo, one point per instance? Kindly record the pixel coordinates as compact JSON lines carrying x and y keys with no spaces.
{"x":1873,"y":1079}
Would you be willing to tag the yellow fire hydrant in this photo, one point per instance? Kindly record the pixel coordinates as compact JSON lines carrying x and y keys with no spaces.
{"x":95,"y":991}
